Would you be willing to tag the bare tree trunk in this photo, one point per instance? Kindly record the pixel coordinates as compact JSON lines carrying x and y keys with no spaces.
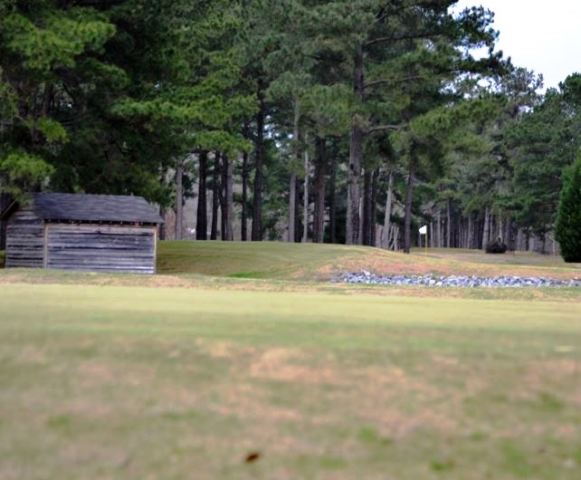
{"x":470,"y":231}
{"x":519,"y":239}
{"x":319,"y":190}
{"x":486,"y":231}
{"x":360,"y":218}
{"x":395,"y":234}
{"x":333,"y":199}
{"x":439,"y":242}
{"x":409,"y":202}
{"x":215,"y":196}
{"x":228,"y":199}
{"x":258,"y":166}
{"x":292,"y":200}
{"x":244,"y":216}
{"x":6,"y":200}
{"x":388,"y":208}
{"x":162,"y":232}
{"x":374,"y":178}
{"x":448,"y":224}
{"x":293,"y":177}
{"x":202,"y":213}
{"x":179,"y":200}
{"x":355,"y":156}
{"x":366,"y":217}
{"x":306,"y":197}
{"x":298,"y":211}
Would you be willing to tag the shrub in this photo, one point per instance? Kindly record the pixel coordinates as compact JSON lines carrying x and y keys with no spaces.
{"x":568,"y":229}
{"x":496,"y":247}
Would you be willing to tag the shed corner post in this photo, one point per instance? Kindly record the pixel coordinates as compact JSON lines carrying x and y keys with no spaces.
{"x":45,"y":247}
{"x":155,"y":240}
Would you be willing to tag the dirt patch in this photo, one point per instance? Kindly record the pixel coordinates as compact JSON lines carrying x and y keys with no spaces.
{"x":539,"y":372}
{"x":397,"y":424}
{"x":32,"y":355}
{"x":541,"y":376}
{"x":285,"y":365}
{"x":223,"y":350}
{"x":97,"y":372}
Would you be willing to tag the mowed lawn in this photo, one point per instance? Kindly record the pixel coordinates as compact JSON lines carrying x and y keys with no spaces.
{"x":279,"y":260}
{"x":127,"y":382}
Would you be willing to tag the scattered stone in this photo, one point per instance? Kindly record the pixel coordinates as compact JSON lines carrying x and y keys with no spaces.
{"x":456,"y":281}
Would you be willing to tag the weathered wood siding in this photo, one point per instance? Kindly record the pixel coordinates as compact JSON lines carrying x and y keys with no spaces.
{"x":101,"y":248}
{"x":24,"y":240}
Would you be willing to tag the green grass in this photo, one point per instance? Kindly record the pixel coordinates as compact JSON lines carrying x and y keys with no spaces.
{"x":251,"y":259}
{"x":312,"y":262}
{"x":240,"y":348}
{"x":131,"y":382}
{"x":278,"y":260}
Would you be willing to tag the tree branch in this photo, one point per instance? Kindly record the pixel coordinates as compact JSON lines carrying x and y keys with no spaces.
{"x":399,"y":38}
{"x":380,"y":81}
{"x":383,"y":128}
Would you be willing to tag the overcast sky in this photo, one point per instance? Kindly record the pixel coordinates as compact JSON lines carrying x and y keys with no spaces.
{"x":541,"y":35}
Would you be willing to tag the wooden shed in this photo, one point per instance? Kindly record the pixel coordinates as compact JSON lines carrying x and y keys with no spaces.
{"x":82,"y":232}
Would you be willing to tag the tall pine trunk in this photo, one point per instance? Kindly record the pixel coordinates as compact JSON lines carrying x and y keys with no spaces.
{"x":319,"y":190}
{"x":374,"y":179}
{"x":292,"y":187}
{"x":227,"y":199}
{"x":162,"y":232}
{"x":448,"y":224}
{"x":244,"y":215}
{"x":366,"y":216}
{"x":306,"y":197}
{"x":388,"y":208}
{"x":259,"y":149}
{"x":179,"y":229}
{"x":6,"y":200}
{"x":215,"y":196}
{"x":470,"y":241}
{"x":298,"y":222}
{"x":439,"y":242}
{"x":407,"y":245}
{"x":333,"y":199}
{"x":486,"y":229}
{"x":202,"y":213}
{"x":355,"y":156}
{"x":245,"y":172}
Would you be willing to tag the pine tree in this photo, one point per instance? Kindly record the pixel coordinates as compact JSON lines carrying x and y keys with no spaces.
{"x":568,"y":229}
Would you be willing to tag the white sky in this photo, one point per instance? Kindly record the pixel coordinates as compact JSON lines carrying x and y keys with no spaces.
{"x":541,"y":35}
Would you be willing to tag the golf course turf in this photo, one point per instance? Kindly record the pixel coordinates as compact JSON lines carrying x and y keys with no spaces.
{"x":266,"y":375}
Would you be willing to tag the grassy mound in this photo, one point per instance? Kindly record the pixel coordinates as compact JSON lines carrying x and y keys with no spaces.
{"x":277,"y":260}
{"x":253,"y":259}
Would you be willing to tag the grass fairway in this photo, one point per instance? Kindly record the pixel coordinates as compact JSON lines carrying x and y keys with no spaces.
{"x":118,"y":382}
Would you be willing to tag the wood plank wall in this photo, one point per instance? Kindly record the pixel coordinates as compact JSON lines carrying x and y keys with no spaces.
{"x":24,"y":240}
{"x":101,"y":248}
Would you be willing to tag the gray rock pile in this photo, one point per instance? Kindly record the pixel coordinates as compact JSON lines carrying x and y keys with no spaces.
{"x":456,"y":281}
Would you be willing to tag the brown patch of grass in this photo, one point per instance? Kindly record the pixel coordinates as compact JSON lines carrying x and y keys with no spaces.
{"x":281,"y":364}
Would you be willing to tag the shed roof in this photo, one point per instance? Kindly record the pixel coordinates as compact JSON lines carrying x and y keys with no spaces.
{"x":93,"y":208}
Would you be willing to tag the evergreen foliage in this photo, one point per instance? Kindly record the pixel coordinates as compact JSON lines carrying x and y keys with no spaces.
{"x":326,"y":113}
{"x":568,"y":229}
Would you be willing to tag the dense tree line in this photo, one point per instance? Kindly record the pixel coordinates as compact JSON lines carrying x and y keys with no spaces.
{"x":326,"y":121}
